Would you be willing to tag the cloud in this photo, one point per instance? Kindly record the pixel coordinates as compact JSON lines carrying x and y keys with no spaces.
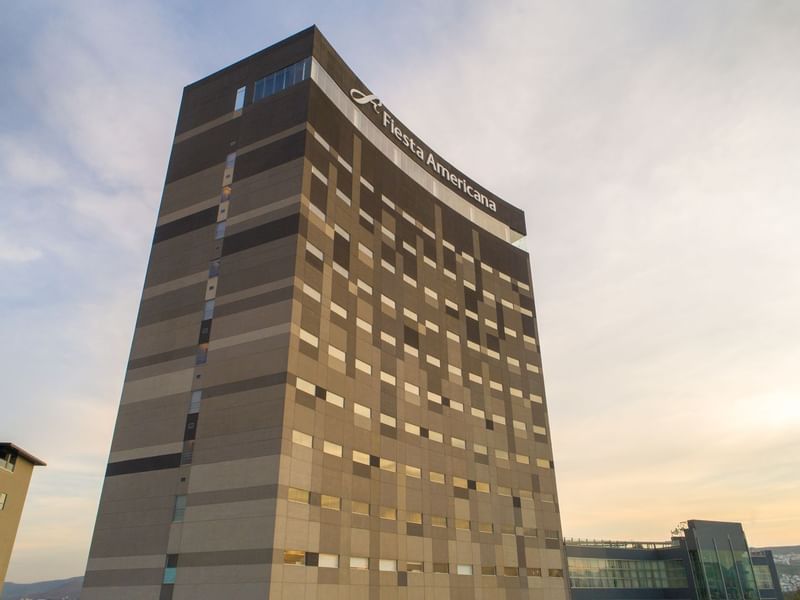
{"x":652,"y":145}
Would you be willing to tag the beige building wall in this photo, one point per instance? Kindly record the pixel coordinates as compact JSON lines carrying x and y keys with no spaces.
{"x":14,"y":484}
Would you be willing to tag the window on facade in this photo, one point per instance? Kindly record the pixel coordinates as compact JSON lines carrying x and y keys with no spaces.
{"x":359,"y":562}
{"x":385,"y":564}
{"x":169,"y":575}
{"x":330,"y":502}
{"x":534,"y":572}
{"x":414,"y":567}
{"x":294,"y":557}
{"x":202,"y":354}
{"x":438,"y":521}
{"x":298,"y":495}
{"x":464,"y":569}
{"x":239,"y":102}
{"x":414,"y":517}
{"x":208,"y":310}
{"x":441,"y":567}
{"x":219,"y":233}
{"x":359,"y":508}
{"x":488,"y":570}
{"x":332,"y":449}
{"x":194,"y":403}
{"x":303,"y":439}
{"x":388,"y":513}
{"x":3,"y":498}
{"x":510,"y":571}
{"x":283,"y":79}
{"x":180,"y":508}
{"x":329,"y":561}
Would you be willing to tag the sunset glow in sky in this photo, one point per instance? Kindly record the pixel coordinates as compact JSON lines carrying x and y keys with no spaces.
{"x":654,"y":146}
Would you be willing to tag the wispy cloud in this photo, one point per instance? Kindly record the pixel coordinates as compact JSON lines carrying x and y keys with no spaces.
{"x":652,"y":145}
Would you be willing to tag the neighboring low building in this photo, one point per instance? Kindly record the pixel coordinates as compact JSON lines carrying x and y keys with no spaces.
{"x":16,"y":468}
{"x":708,"y":560}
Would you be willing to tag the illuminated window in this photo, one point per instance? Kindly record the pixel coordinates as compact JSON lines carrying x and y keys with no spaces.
{"x":329,"y":561}
{"x":360,"y":457}
{"x":303,"y":439}
{"x":388,"y":513}
{"x":332,"y":449}
{"x":385,"y":564}
{"x":414,"y":517}
{"x":359,"y":508}
{"x":297,"y":495}
{"x":438,"y":521}
{"x":294,"y":557}
{"x":359,"y":562}
{"x":436,"y":477}
{"x":330,"y":502}
{"x":464,"y":569}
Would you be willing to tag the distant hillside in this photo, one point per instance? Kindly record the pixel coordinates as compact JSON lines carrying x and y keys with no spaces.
{"x":58,"y":589}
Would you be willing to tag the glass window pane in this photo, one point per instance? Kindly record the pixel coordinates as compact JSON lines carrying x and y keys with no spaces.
{"x":239,"y":102}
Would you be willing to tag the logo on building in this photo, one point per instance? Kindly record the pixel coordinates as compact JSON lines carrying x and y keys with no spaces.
{"x":427,"y":157}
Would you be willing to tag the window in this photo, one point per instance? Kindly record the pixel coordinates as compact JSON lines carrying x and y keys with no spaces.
{"x":219,"y":233}
{"x":414,"y":472}
{"x":360,"y":457}
{"x":359,"y":508}
{"x":208,"y":310}
{"x":386,"y":564}
{"x":414,"y":517}
{"x":436,"y":477}
{"x":462,"y":523}
{"x":362,"y":410}
{"x":180,"y":508}
{"x":298,"y":495}
{"x":3,"y":498}
{"x":239,"y":102}
{"x":464,"y":569}
{"x":414,"y":567}
{"x":332,"y":449}
{"x":489,"y":570}
{"x":169,"y":575}
{"x":303,"y":439}
{"x":330,"y":502}
{"x":510,"y":571}
{"x":555,"y":573}
{"x":329,"y":561}
{"x":280,"y":80}
{"x":294,"y":557}
{"x":534,"y":572}
{"x":202,"y":354}
{"x":388,"y":513}
{"x":441,"y":567}
{"x":194,"y":403}
{"x":438,"y":521}
{"x":359,"y":562}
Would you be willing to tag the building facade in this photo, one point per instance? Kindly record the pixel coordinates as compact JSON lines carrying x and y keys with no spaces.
{"x":334,"y":387}
{"x":16,"y":469}
{"x":709,"y":560}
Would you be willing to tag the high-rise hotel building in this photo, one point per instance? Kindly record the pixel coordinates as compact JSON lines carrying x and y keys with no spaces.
{"x":334,"y":387}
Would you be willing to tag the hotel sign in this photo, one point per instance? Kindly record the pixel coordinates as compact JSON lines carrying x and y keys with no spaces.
{"x":427,"y":157}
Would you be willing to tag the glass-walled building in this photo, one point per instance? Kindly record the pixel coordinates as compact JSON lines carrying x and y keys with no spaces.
{"x":709,"y":560}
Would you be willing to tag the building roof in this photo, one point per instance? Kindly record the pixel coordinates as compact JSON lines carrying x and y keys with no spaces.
{"x":24,"y":454}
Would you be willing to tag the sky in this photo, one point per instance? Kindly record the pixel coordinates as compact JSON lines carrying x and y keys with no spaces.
{"x":653,"y":146}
